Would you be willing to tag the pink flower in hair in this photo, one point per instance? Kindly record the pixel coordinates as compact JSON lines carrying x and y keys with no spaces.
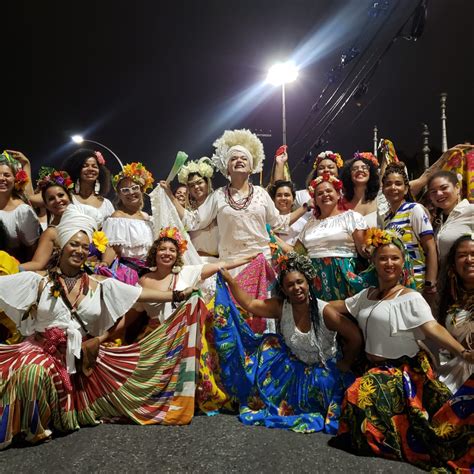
{"x":99,"y":157}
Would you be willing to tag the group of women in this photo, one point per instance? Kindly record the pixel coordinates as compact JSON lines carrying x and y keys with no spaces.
{"x":319,"y":318}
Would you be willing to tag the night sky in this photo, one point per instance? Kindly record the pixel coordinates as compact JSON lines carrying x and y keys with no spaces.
{"x":149,"y":78}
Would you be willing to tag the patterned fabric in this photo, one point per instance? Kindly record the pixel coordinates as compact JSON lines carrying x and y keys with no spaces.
{"x":337,"y":278}
{"x":461,"y":162}
{"x":398,"y":410}
{"x":123,"y":269}
{"x":272,"y":386}
{"x":411,"y":222}
{"x":152,"y":381}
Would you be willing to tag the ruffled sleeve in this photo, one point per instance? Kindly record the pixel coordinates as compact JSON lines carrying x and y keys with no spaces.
{"x":355,"y":221}
{"x":17,"y":293}
{"x":201,"y":217}
{"x":27,"y":224}
{"x":409,"y":312}
{"x":116,"y":299}
{"x":354,"y":303}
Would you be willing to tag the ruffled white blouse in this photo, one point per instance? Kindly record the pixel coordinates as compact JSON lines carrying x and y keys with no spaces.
{"x":22,"y":226}
{"x":105,"y":210}
{"x":390,"y":327}
{"x":309,"y":347}
{"x":332,"y":237}
{"x":99,"y":309}
{"x":190,"y":275}
{"x":241,"y":232}
{"x":133,"y":237}
{"x":207,"y":239}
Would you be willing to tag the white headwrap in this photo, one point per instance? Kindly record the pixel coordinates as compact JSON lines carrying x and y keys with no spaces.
{"x":240,"y":149}
{"x":74,"y":220}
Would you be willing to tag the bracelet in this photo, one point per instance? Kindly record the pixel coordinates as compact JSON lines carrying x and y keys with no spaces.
{"x":178,"y":296}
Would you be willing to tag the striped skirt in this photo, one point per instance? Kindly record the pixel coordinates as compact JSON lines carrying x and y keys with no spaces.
{"x":152,"y":381}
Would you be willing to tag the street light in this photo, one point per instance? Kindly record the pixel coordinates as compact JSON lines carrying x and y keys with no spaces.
{"x":80,"y":139}
{"x":281,"y":74}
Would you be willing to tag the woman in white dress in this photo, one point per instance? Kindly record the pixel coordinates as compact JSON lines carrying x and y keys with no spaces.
{"x":129,"y":229}
{"x":91,"y":180}
{"x":19,"y":219}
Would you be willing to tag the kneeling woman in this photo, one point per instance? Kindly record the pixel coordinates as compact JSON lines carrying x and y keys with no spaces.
{"x":40,"y":388}
{"x":291,"y":380}
{"x":395,"y":410}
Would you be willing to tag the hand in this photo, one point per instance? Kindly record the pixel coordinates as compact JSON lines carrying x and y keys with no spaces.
{"x":167,"y":189}
{"x":364,"y":251}
{"x":281,"y":159}
{"x":343,"y":365}
{"x":226,"y":275}
{"x":19,"y":156}
{"x":468,"y":356}
{"x":187,"y":292}
{"x":90,"y":351}
{"x":251,"y":257}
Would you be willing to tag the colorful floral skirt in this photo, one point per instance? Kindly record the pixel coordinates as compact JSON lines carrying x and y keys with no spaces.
{"x":398,"y":410}
{"x":149,"y":382}
{"x":337,"y":278}
{"x":272,"y":386}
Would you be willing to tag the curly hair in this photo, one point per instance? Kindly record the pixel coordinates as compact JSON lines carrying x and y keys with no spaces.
{"x":373,"y":185}
{"x":151,"y":256}
{"x":399,"y":168}
{"x":453,"y":283}
{"x":282,"y":184}
{"x":74,"y":163}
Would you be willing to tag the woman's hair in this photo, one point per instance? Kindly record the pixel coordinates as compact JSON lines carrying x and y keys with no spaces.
{"x":373,"y":185}
{"x":74,"y":163}
{"x":282,"y":184}
{"x":399,"y":168}
{"x":453,"y":282}
{"x":450,"y":176}
{"x":151,"y":256}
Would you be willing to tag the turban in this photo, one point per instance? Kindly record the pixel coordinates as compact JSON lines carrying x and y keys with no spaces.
{"x":240,"y":149}
{"x":74,"y":220}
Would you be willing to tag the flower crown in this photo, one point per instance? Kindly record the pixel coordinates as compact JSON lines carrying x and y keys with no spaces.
{"x":376,"y":237}
{"x":328,"y":155}
{"x":174,"y":234}
{"x":99,"y":157}
{"x":329,"y":178}
{"x":49,"y":175}
{"x":137,"y":173}
{"x":231,"y":138}
{"x":21,"y":176}
{"x":203,"y":167}
{"x":367,"y":156}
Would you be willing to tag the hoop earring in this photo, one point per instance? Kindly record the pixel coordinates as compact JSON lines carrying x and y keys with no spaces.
{"x":96,"y":187}
{"x":77,"y":187}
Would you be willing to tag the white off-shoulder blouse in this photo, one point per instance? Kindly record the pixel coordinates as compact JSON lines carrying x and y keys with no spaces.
{"x":99,"y":309}
{"x":22,"y":226}
{"x":390,"y":327}
{"x":332,"y":237}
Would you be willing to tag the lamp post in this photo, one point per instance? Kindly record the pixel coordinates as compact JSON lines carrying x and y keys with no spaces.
{"x":80,"y":139}
{"x":279,"y":75}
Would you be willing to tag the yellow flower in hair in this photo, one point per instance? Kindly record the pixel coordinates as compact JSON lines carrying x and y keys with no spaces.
{"x":377,"y":237}
{"x":100,"y":240}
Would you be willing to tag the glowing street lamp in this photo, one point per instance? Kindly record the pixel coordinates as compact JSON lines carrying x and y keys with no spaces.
{"x":80,"y":139}
{"x":281,"y":74}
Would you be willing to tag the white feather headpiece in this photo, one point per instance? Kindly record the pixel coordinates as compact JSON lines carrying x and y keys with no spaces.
{"x":243,"y":138}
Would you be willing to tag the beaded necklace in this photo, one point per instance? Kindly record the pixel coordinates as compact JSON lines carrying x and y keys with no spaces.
{"x":241,"y":203}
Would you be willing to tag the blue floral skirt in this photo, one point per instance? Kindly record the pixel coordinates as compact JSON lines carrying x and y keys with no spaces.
{"x":272,"y":387}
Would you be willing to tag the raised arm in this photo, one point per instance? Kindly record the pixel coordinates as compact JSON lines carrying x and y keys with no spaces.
{"x":269,"y":308}
{"x":210,"y":269}
{"x":149,"y":295}
{"x":179,"y":208}
{"x":279,"y":168}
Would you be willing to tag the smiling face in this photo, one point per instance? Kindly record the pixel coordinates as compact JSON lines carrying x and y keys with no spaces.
{"x":180,"y":194}
{"x":360,"y":173}
{"x":238,"y":164}
{"x":296,"y":287}
{"x":443,"y":193}
{"x":325,"y":197}
{"x":284,"y":199}
{"x":464,"y":262}
{"x":75,"y":252}
{"x":394,"y":188}
{"x":129,"y":193}
{"x":198,"y":188}
{"x":90,"y":170}
{"x":7,"y":179}
{"x":56,"y":200}
{"x":326,"y":166}
{"x":166,"y":254}
{"x":388,"y":261}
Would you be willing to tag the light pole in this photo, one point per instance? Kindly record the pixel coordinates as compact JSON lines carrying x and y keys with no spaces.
{"x":279,"y":75}
{"x":80,"y":139}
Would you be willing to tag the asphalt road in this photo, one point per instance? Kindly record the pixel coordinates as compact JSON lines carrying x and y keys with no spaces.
{"x":210,"y":444}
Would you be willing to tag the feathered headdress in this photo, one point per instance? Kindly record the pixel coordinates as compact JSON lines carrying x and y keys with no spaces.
{"x":238,"y":140}
{"x":203,"y":167}
{"x":137,"y":173}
